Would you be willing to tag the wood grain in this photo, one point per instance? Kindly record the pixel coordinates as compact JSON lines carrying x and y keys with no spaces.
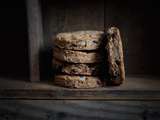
{"x":35,"y":33}
{"x":78,"y":110}
{"x":79,"y":95}
{"x":136,"y":88}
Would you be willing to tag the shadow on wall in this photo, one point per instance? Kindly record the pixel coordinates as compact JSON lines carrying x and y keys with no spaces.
{"x":13,"y":46}
{"x":46,"y":69}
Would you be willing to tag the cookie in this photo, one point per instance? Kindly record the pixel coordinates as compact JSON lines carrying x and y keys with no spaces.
{"x":115,"y":56}
{"x":76,"y":56}
{"x":79,"y":40}
{"x":77,"y":81}
{"x":75,"y":69}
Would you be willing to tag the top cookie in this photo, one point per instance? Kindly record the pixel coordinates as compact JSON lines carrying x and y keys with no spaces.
{"x":79,"y":40}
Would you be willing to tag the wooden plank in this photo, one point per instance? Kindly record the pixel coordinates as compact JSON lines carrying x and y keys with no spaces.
{"x":86,"y":110}
{"x":35,"y":37}
{"x":132,"y":83}
{"x":22,"y":94}
{"x":134,"y":89}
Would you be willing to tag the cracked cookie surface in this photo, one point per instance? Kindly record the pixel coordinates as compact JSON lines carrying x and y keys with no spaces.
{"x":115,"y":56}
{"x":71,"y":56}
{"x":77,"y":81}
{"x":79,"y":40}
{"x":75,"y":69}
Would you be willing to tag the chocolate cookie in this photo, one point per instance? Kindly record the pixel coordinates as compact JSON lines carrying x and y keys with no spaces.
{"x":80,"y":40}
{"x":76,"y":56}
{"x":77,"y":81}
{"x":75,"y":69}
{"x":115,"y":56}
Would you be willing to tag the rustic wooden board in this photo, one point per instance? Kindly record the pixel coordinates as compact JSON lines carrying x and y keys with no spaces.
{"x":79,"y":95}
{"x":78,"y":110}
{"x":135,"y":88}
{"x":35,"y":34}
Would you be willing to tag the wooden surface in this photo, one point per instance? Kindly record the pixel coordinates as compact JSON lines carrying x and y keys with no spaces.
{"x":78,"y":110}
{"x":135,"y":88}
{"x":35,"y":33}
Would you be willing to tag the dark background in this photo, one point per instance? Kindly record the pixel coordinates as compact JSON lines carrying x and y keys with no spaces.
{"x":13,"y":39}
{"x":137,"y":20}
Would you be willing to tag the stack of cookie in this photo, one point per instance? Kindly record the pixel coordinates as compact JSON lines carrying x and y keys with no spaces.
{"x":76,"y":59}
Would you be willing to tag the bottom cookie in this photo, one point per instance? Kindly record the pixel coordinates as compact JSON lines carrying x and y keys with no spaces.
{"x":77,"y":81}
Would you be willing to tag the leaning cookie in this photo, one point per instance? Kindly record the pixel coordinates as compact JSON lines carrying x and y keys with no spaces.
{"x":115,"y":58}
{"x":75,"y":69}
{"x":80,"y":40}
{"x":77,"y":81}
{"x":76,"y":56}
